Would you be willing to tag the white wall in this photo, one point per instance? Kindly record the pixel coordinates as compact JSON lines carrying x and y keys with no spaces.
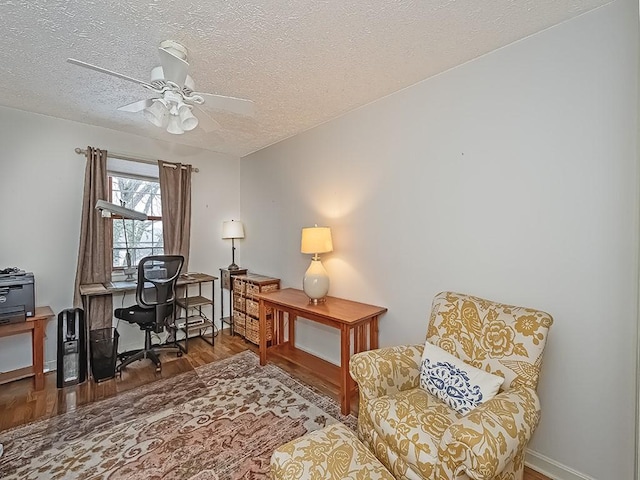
{"x":512,"y":177}
{"x":41,"y":182}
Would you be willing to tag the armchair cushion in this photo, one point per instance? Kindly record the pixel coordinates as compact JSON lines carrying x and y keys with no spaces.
{"x":411,"y":423}
{"x":458,"y":384}
{"x":483,"y":442}
{"x":386,"y":370}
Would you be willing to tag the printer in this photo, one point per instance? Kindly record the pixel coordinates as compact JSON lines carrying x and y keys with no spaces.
{"x":17,"y":296}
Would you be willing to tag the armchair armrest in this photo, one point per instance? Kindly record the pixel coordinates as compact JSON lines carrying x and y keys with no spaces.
{"x":484,"y":441}
{"x":386,"y":370}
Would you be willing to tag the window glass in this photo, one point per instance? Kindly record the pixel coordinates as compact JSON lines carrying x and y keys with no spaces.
{"x":139,"y":238}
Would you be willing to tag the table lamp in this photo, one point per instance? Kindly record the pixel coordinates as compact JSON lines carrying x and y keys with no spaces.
{"x":316,"y":240}
{"x":232,"y":229}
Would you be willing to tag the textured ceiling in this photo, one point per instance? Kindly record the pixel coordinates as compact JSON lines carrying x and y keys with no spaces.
{"x":302,"y":62}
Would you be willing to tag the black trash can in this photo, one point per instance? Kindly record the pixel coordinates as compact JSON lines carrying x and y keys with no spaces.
{"x":104,"y":353}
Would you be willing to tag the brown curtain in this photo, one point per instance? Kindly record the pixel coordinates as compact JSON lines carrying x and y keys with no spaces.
{"x":94,"y":254}
{"x":175,"y":190}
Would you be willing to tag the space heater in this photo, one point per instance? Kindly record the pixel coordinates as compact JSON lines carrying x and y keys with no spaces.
{"x":72,"y":348}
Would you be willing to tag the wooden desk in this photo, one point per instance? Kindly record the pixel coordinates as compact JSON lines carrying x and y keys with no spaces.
{"x":97,"y":289}
{"x":89,"y":290}
{"x":36,"y":325}
{"x":345,"y":315}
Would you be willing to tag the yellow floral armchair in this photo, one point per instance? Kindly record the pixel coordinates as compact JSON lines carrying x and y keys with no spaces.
{"x":417,"y":436}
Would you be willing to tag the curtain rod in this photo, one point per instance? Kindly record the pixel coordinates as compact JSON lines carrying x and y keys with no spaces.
{"x":83,"y":151}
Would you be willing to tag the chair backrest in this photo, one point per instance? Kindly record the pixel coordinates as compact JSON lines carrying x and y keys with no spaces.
{"x":502,"y":339}
{"x":157,"y":278}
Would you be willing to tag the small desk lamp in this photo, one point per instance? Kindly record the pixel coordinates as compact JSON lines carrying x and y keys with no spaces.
{"x":232,"y":229}
{"x":316,"y":240}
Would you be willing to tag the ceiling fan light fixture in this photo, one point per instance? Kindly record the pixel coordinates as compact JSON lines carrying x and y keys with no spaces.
{"x":174,"y":126}
{"x":174,"y":94}
{"x":157,"y":113}
{"x":188,"y":120}
{"x":174,"y":48}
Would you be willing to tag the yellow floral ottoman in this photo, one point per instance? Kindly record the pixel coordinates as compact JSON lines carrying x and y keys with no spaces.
{"x":331,"y":453}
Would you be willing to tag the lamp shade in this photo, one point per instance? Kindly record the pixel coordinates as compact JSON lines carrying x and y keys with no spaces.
{"x":187,"y":119}
{"x":157,"y":113}
{"x":232,"y":229}
{"x":174,"y":126}
{"x":316,"y":240}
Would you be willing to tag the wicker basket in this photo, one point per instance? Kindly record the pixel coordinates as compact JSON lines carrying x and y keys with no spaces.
{"x":238,"y":302}
{"x":252,"y":332}
{"x":252,"y":289}
{"x":238,"y":287}
{"x":246,"y":306}
{"x":271,"y":287}
{"x":253,"y":308}
{"x":239,"y":323}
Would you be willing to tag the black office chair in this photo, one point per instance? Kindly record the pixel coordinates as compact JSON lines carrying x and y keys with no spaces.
{"x":155,"y":295}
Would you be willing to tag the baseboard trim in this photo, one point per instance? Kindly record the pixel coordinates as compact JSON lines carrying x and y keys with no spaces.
{"x":552,"y":469}
{"x":50,"y":366}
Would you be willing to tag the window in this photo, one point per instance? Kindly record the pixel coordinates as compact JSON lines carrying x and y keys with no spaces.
{"x":139,"y":237}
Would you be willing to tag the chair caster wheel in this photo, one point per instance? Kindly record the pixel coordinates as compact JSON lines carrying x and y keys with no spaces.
{"x":179,"y":354}
{"x":158,"y":368}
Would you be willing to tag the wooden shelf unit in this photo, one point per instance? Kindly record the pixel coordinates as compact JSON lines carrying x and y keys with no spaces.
{"x":196,"y":303}
{"x":226,"y":283}
{"x":246,"y":314}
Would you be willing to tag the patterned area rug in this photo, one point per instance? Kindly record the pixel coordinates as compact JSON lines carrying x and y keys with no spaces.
{"x":220,"y":421}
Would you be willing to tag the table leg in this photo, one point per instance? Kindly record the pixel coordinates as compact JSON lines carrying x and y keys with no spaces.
{"x":37,"y":345}
{"x":356,"y":339}
{"x":233,"y":325}
{"x":292,"y":329}
{"x":360,"y":339}
{"x":373,"y":333}
{"x":262,"y":320}
{"x":279,"y":314}
{"x":365,"y":340}
{"x":345,"y":378}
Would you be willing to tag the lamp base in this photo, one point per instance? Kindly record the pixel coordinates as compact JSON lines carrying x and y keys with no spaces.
{"x":130,"y":272}
{"x":233,"y":266}
{"x":316,"y":282}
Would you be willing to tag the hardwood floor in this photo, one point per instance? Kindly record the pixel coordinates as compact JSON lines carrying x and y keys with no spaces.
{"x":20,"y":404}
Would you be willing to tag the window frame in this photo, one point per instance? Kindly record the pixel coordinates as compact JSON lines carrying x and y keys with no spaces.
{"x":115,"y":216}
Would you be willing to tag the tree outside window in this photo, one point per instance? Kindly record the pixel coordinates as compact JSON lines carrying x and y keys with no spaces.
{"x":141,"y":237}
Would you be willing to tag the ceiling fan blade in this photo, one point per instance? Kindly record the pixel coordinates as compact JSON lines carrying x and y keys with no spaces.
{"x":239,"y":106}
{"x":136,"y":106}
{"x":108,"y":72}
{"x":206,"y":121}
{"x":174,"y":69}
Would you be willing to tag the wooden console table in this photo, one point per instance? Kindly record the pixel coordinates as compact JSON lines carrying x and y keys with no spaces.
{"x":347,"y":316}
{"x":36,"y":325}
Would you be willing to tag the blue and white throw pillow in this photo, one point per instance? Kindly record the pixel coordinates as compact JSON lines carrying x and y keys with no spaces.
{"x":455,"y":382}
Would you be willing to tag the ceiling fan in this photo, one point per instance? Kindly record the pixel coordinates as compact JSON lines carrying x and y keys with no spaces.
{"x":174,"y":98}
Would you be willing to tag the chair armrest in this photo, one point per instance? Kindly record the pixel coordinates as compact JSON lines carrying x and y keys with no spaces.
{"x":386,"y":370}
{"x":484,"y":441}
